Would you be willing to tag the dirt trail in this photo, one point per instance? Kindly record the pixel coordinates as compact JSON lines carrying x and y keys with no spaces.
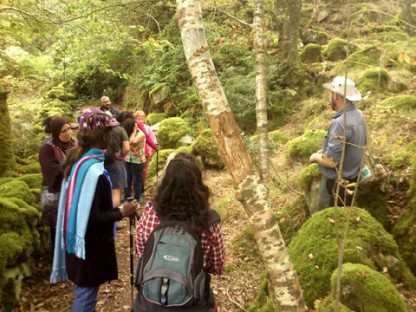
{"x":235,"y":288}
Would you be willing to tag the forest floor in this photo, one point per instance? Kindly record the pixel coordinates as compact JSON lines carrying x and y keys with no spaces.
{"x":232,"y":290}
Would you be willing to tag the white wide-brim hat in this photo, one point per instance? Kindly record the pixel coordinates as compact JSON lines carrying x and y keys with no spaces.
{"x":337,"y":85}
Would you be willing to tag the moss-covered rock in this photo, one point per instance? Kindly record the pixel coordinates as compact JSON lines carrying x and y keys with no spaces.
{"x":359,"y":60}
{"x":60,"y":92}
{"x":376,"y":79}
{"x":171,"y":131}
{"x":34,"y":180}
{"x":303,"y":146}
{"x":337,"y":49}
{"x":7,"y":158}
{"x":314,"y":250}
{"x":292,"y":217}
{"x":278,"y":137}
{"x":402,"y":103}
{"x":29,"y":168}
{"x":308,"y":174}
{"x":311,"y":53}
{"x":16,"y":189}
{"x":154,"y":118}
{"x":206,"y":146}
{"x":158,"y":161}
{"x":364,"y":289}
{"x":310,"y":181}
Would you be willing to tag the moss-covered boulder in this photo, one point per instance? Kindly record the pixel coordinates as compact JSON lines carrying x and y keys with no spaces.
{"x":314,"y":250}
{"x":60,"y":92}
{"x":376,"y":79}
{"x":278,"y":137}
{"x":309,"y":181}
{"x":292,"y":217}
{"x":154,"y":118}
{"x":364,"y":289}
{"x":16,"y":189}
{"x":302,"y":147}
{"x":337,"y":49}
{"x":34,"y":180}
{"x":170,"y":132}
{"x":33,"y":167}
{"x":158,"y":162}
{"x":7,"y":158}
{"x":206,"y":146}
{"x":311,"y":53}
{"x":404,"y":104}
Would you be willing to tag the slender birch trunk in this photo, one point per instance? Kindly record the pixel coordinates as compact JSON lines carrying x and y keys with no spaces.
{"x":284,"y":285}
{"x":260,"y":49}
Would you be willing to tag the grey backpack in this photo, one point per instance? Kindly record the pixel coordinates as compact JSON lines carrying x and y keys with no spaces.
{"x":170,"y":273}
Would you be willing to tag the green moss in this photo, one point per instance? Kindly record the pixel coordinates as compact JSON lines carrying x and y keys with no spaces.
{"x":367,"y":243}
{"x":188,"y":149}
{"x":402,"y":103}
{"x":278,"y":137}
{"x":337,"y":49}
{"x":11,"y":247}
{"x":303,"y":146}
{"x":311,"y":53}
{"x":328,"y":305}
{"x":33,"y":180}
{"x":7,"y":158}
{"x":154,"y":118}
{"x":364,"y":289}
{"x":158,"y":162}
{"x":376,"y":79}
{"x":16,"y":189}
{"x":412,"y":187}
{"x":292,"y":217}
{"x":401,"y":159}
{"x":206,"y":146}
{"x":30,"y":168}
{"x":263,"y":301}
{"x":171,"y":131}
{"x":360,"y":60}
{"x":308,"y":175}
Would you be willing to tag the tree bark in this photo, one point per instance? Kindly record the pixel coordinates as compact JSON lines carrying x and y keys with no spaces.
{"x":284,"y":285}
{"x":291,"y":32}
{"x":7,"y":158}
{"x":260,"y":49}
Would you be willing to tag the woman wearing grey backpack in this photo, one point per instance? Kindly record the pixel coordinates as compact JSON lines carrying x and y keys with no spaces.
{"x":181,"y":206}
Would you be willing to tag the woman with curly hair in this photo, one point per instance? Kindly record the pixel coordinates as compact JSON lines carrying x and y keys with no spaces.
{"x":183,"y":196}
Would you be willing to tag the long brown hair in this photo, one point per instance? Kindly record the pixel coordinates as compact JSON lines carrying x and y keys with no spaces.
{"x":182,"y":195}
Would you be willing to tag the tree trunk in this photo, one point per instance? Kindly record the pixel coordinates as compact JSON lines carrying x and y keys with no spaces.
{"x":284,"y":285}
{"x":260,"y":49}
{"x":291,"y":33}
{"x":7,"y":158}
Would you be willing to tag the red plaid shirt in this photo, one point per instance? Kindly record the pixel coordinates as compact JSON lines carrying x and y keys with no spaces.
{"x":212,"y":240}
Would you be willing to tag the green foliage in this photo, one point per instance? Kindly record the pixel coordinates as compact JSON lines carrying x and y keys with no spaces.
{"x":171,"y":131}
{"x":7,"y":158}
{"x":244,"y":243}
{"x":308,"y":175}
{"x":302,"y":147}
{"x":402,"y":103}
{"x":206,"y":146}
{"x":402,"y":159}
{"x":314,"y":250}
{"x":365,"y":289}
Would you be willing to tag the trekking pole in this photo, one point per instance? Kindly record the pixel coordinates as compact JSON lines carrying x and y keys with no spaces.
{"x":157,"y":165}
{"x":132,"y":219}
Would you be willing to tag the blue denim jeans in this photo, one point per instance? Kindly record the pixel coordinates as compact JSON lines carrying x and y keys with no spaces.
{"x":134,"y":177}
{"x":85,"y":299}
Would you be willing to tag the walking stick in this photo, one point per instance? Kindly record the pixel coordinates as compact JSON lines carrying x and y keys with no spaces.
{"x":132,"y":223}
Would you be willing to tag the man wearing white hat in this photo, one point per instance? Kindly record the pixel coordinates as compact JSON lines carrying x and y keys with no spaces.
{"x":343,"y":94}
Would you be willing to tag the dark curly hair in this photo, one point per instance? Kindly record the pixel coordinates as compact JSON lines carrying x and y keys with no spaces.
{"x":182,"y":195}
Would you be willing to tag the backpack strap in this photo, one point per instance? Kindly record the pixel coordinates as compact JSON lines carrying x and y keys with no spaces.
{"x":213,"y":216}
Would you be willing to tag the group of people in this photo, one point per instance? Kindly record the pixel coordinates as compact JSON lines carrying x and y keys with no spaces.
{"x":83,"y":182}
{"x":84,"y":179}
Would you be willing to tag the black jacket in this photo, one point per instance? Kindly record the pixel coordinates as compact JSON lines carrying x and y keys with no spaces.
{"x":100,"y":264}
